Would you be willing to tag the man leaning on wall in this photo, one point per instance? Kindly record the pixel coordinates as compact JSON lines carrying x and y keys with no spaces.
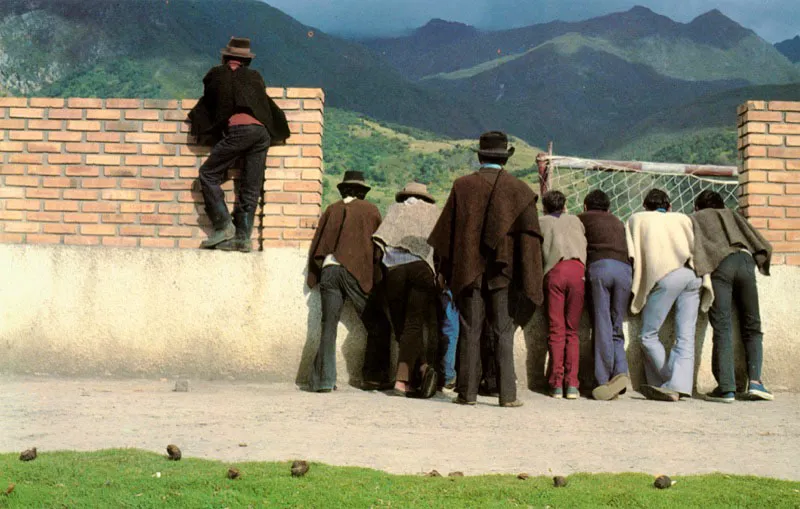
{"x":236,"y":114}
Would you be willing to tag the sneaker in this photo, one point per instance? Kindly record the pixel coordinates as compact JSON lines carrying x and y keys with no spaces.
{"x":572,"y":393}
{"x":612,"y":389}
{"x":757,"y":391}
{"x":720,"y":397}
{"x":658,"y":393}
{"x":511,"y":404}
{"x":557,"y":392}
{"x":458,"y":400}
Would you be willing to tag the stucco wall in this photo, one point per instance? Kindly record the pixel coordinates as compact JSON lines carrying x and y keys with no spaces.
{"x":92,"y":311}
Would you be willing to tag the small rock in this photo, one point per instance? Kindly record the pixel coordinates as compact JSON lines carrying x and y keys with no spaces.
{"x":173,"y":452}
{"x":182,"y":386}
{"x":433,"y":473}
{"x":233,"y":473}
{"x":662,"y":482}
{"x":28,"y":455}
{"x":242,"y":444}
{"x":299,"y":468}
{"x":522,"y":476}
{"x":10,"y":488}
{"x":559,"y":481}
{"x":456,"y":474}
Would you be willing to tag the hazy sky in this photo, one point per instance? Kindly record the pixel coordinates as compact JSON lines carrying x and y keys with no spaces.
{"x":774,"y":20}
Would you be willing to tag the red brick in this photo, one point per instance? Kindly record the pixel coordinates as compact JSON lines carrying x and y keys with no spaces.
{"x":120,"y":171}
{"x":137,"y":184}
{"x":12,"y":124}
{"x":778,"y":259}
{"x":189,"y":243}
{"x":189,"y":173}
{"x":99,"y":183}
{"x":158,"y":172}
{"x":786,"y":247}
{"x":754,"y":163}
{"x":784,"y":106}
{"x":164,"y":150}
{"x":194,"y":150}
{"x":176,"y":185}
{"x":793,"y":165}
{"x":285,"y":151}
{"x":160,"y":127}
{"x":37,"y":238}
{"x":60,"y":229}
{"x":58,"y":182}
{"x":102,"y":207}
{"x":82,"y":240}
{"x":22,"y":227}
{"x":81,"y":194}
{"x":81,"y":217}
{"x":784,"y":177}
{"x":285,"y":243}
{"x":760,"y":139}
{"x":119,"y":218}
{"x":82,"y":171}
{"x":276,"y":92}
{"x":62,"y":136}
{"x":175,"y":231}
{"x":104,"y":137}
{"x":161,"y":104}
{"x":123,"y":103}
{"x":312,"y":128}
{"x":81,"y":102}
{"x":305,"y":139}
{"x":156,"y":219}
{"x":312,"y":175}
{"x":787,"y":153}
{"x":26,"y":158}
{"x":98,"y":229}
{"x":301,"y":210}
{"x":12,"y":169}
{"x":10,"y":238}
{"x":12,"y":192}
{"x":64,"y":114}
{"x":43,"y":170}
{"x":784,"y":224}
{"x":64,"y":158}
{"x":124,"y":126}
{"x":271,"y":233}
{"x":302,"y":162}
{"x":156,"y":196}
{"x":117,"y":148}
{"x":83,"y":125}
{"x":142,"y":138}
{"x":188,"y":104}
{"x":793,"y":189}
{"x":282,"y":197}
{"x":176,"y":208}
{"x":141,"y":115}
{"x":297,"y":127}
{"x":13,"y":101}
{"x":311,"y":198}
{"x":85,"y":148}
{"x":120,"y":242}
{"x":47,"y":102}
{"x":11,"y":146}
{"x":305,"y":93}
{"x":783,"y":201}
{"x":180,"y":116}
{"x":141,"y":160}
{"x":25,"y":113}
{"x":26,"y":135}
{"x":792,"y":260}
{"x":178,"y":139}
{"x":138,"y":208}
{"x":303,"y":116}
{"x":47,"y":125}
{"x":103,"y":114}
{"x":53,"y":148}
{"x":24,"y":181}
{"x":163,"y":242}
{"x":42,"y":194}
{"x":281,"y":222}
{"x":103,"y":159}
{"x":62,"y":206}
{"x":119,"y":195}
{"x":179,"y":161}
{"x":44,"y":217}
{"x":764,"y":212}
{"x":187,"y":197}
{"x":793,"y":141}
{"x":784,"y":128}
{"x":288,"y":104}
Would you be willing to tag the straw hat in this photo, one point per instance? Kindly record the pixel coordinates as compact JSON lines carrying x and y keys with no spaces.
{"x":416,"y":190}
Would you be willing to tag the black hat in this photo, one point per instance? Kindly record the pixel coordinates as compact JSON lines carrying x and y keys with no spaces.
{"x":494,"y":144}
{"x":353,"y":178}
{"x":238,"y":47}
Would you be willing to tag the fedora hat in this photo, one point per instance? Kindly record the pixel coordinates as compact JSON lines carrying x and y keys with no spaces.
{"x":353,"y":178}
{"x":494,"y":144}
{"x":238,"y":47}
{"x":416,"y":190}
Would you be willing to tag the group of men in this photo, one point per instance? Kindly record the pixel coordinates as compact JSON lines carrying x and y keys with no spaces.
{"x":487,"y":260}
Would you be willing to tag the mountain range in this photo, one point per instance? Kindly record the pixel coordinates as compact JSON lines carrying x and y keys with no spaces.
{"x":594,"y":87}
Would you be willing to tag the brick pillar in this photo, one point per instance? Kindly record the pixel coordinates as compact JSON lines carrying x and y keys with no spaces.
{"x":769,"y":173}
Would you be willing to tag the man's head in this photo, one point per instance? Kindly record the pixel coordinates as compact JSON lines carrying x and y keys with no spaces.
{"x":709,"y":199}
{"x":656,"y":199}
{"x":354,"y":191}
{"x":493,"y":148}
{"x":553,"y":202}
{"x":238,"y":48}
{"x":596,"y":200}
{"x":353,"y":184}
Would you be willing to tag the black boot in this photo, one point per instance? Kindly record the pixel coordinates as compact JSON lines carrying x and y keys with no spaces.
{"x":238,"y":222}
{"x":223,"y":226}
{"x":248,"y":218}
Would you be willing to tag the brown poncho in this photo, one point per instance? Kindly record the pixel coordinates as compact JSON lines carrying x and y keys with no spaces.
{"x":720,"y":232}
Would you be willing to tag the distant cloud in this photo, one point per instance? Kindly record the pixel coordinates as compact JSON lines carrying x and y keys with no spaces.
{"x":774,"y":20}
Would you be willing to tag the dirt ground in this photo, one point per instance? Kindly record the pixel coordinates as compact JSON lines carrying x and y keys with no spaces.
{"x":351,"y":427}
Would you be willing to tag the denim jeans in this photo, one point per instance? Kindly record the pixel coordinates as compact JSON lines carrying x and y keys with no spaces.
{"x":734,"y":283}
{"x":680,"y":287}
{"x":610,"y":291}
{"x":448,"y":335}
{"x":249,"y":142}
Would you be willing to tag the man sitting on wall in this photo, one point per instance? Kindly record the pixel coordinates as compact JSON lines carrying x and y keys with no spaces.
{"x":410,"y":284}
{"x":484,"y":241}
{"x":235,"y":113}
{"x":342,"y":259}
{"x":729,"y":248}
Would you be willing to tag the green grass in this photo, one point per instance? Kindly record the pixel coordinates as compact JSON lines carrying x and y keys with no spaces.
{"x":126,"y":478}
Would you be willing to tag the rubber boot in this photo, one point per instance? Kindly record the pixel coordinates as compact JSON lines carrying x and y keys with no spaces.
{"x":223,"y":226}
{"x":248,"y":218}
{"x":234,"y":243}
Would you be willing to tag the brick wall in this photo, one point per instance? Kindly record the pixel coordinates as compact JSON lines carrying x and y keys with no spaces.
{"x":769,"y":173}
{"x":122,"y":172}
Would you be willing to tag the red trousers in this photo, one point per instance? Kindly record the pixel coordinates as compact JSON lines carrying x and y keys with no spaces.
{"x":564,"y":287}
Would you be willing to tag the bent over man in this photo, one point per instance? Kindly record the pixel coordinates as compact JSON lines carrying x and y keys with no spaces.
{"x":237,"y":114}
{"x":485,"y":241}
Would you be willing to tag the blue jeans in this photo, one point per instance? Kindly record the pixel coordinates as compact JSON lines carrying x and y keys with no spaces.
{"x":610,"y":291}
{"x":448,"y":334}
{"x":681,"y":288}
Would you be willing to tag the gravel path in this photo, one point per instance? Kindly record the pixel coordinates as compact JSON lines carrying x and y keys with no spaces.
{"x":351,"y":427}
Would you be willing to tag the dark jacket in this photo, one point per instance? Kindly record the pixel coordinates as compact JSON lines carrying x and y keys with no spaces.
{"x":227,"y":92}
{"x":489,"y":227}
{"x":345,"y":231}
{"x":605,"y":237}
{"x":721,"y":232}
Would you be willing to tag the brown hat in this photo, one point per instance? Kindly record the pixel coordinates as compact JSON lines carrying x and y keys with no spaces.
{"x":494,"y":144}
{"x":238,"y":47}
{"x":416,"y":190}
{"x":353,"y":178}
